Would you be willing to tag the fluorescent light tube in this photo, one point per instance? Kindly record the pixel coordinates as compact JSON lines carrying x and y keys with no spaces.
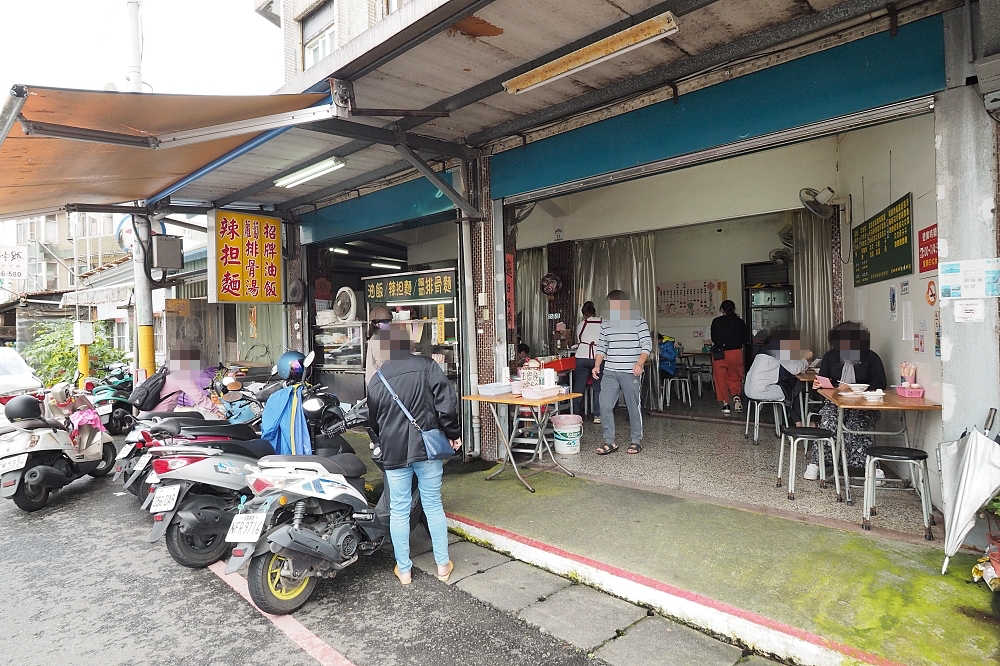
{"x":627,"y":40}
{"x":391,"y":267}
{"x":339,"y":250}
{"x":310,"y":172}
{"x":440,"y":301}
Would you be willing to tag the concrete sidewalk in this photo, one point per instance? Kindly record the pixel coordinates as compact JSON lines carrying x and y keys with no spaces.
{"x":801,"y":592}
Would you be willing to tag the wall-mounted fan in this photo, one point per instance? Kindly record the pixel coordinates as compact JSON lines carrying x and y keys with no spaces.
{"x":345,"y":305}
{"x":781,"y":256}
{"x":551,"y":284}
{"x":296,"y":292}
{"x":816,"y":201}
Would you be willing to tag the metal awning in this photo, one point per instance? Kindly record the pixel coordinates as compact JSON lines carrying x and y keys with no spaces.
{"x":80,"y":150}
{"x":97,"y":296}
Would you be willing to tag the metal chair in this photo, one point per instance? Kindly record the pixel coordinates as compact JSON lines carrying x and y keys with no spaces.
{"x":756,"y":405}
{"x":797,"y":434}
{"x":917,"y":460}
{"x":683,"y":384}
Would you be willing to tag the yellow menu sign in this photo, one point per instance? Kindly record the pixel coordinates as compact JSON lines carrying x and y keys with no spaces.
{"x":244,"y":258}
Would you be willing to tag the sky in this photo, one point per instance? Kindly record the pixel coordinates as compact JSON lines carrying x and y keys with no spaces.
{"x":189,"y":46}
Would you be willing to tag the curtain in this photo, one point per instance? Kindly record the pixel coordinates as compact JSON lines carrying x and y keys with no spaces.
{"x":812,"y":273}
{"x":619,"y":262}
{"x":532,"y":306}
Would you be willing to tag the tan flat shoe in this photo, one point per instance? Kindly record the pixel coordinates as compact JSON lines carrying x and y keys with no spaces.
{"x":444,"y":578}
{"x":406,"y":578}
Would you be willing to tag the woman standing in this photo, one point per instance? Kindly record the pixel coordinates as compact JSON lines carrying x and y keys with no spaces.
{"x":850,"y":361}
{"x":729,"y":334}
{"x":587,"y":333}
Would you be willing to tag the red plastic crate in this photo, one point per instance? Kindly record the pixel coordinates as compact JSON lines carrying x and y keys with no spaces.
{"x":562,"y":364}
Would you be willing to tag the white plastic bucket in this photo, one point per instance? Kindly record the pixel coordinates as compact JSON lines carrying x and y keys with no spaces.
{"x":567,"y":439}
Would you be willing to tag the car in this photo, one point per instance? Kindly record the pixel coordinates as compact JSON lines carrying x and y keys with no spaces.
{"x":16,"y":377}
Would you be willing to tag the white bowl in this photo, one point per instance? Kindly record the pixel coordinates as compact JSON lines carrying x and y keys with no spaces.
{"x":874,"y":396}
{"x":859,"y":388}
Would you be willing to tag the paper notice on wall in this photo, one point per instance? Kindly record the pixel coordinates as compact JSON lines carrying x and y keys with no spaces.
{"x":971,"y":310}
{"x":907,"y":320}
{"x":860,"y":304}
{"x":918,"y":343}
{"x":893,"y":303}
{"x":975,"y":278}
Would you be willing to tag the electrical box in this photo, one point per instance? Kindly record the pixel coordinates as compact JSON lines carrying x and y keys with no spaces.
{"x":168,"y":252}
{"x":83,"y":333}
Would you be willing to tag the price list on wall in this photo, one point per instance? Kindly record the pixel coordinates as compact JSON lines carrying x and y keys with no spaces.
{"x":883,"y":245}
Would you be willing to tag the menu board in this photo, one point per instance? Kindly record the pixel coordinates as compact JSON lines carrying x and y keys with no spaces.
{"x":883,"y":245}
{"x":434,"y":285}
{"x":689,"y":299}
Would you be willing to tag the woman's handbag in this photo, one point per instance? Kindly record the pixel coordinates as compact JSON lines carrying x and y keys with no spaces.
{"x":436,"y":443}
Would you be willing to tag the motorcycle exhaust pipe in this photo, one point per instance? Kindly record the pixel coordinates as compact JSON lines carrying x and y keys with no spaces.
{"x":308,"y":543}
{"x":47,"y":476}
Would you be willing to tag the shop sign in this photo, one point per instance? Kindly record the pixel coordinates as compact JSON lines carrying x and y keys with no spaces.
{"x":13,"y":262}
{"x":883,"y":245}
{"x":411,"y":287}
{"x":927,"y":248}
{"x":244,"y":258}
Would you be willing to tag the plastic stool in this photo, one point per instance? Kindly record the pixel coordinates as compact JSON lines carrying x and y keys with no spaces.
{"x":917,"y":460}
{"x":806,"y":435}
{"x":757,"y":404}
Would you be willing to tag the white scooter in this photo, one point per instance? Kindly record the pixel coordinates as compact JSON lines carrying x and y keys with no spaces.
{"x":38,"y":454}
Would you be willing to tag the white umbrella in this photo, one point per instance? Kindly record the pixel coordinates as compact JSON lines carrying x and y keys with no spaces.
{"x":970,"y":476}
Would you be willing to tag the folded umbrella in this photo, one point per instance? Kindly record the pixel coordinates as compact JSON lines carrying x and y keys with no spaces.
{"x":970,"y":476}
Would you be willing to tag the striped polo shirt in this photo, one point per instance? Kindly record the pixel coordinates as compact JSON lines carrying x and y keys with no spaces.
{"x":621,"y":343}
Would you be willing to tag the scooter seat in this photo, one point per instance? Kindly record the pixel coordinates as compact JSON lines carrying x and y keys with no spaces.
{"x":32,"y":424}
{"x":254,"y":448}
{"x":171,"y":415}
{"x":232,"y":430}
{"x":347,"y":464}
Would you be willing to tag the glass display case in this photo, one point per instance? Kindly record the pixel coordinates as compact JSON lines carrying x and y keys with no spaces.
{"x":340,"y":346}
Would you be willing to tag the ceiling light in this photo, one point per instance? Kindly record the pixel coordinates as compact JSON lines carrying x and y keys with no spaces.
{"x":440,"y":301}
{"x":638,"y":35}
{"x":310,"y":172}
{"x":339,"y":250}
{"x":391,"y":267}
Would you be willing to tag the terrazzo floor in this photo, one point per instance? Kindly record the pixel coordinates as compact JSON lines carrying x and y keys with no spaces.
{"x":715,"y":461}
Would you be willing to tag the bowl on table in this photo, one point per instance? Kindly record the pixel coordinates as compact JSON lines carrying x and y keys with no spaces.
{"x":858,"y":388}
{"x":874,"y":396}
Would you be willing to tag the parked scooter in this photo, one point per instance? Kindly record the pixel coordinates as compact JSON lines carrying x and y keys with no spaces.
{"x":110,"y":398}
{"x":39,"y":456}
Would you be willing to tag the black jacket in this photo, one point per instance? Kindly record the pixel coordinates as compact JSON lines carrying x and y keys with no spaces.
{"x":729,"y":333}
{"x":869,"y":371}
{"x":427,"y":393}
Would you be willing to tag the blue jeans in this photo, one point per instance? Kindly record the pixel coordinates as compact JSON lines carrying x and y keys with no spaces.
{"x":399,"y":485}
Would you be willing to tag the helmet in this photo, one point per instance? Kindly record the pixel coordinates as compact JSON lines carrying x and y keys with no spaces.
{"x":290,"y":365}
{"x":380,"y":314}
{"x":23,"y":408}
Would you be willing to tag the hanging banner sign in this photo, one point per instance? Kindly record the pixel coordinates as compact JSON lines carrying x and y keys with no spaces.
{"x":244,"y":258}
{"x":927,"y":248}
{"x":403,"y":289}
{"x":883,"y":245}
{"x":13,"y":262}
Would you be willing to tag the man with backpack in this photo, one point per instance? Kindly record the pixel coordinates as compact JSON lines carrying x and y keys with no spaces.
{"x":167,"y":384}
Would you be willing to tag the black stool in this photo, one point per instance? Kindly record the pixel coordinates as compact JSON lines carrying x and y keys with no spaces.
{"x":917,"y":460}
{"x":806,"y":435}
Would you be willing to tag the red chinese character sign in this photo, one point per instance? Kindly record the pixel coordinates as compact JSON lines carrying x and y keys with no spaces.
{"x":244,"y":258}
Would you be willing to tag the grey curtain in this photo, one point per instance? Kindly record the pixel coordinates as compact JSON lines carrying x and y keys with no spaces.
{"x":532,"y":306}
{"x":812,"y":273}
{"x":619,"y":262}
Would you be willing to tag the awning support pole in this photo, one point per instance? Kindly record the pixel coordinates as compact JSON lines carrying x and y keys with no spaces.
{"x":439,"y":182}
{"x":145,"y":359}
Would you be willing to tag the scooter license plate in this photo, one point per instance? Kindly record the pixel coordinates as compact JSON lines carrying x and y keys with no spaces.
{"x":105,"y":409}
{"x":12,"y":463}
{"x":141,"y":463}
{"x":127,"y":449}
{"x":164,"y":499}
{"x":246,"y":527}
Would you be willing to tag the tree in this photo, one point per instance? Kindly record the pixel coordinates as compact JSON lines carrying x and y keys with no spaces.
{"x":54,"y":357}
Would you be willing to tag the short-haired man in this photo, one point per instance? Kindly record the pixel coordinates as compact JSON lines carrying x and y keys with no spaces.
{"x":623,"y":347}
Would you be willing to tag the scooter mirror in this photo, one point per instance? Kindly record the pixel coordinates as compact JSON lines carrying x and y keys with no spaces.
{"x":274,"y":370}
{"x":308,"y":361}
{"x":233,"y":395}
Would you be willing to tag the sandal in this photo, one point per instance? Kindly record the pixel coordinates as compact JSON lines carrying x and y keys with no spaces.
{"x":634,"y":448}
{"x":606,"y":449}
{"x":406,"y":578}
{"x":444,"y":578}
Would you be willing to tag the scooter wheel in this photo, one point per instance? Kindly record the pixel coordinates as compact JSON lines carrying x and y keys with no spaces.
{"x":269,"y":592}
{"x":195,"y":551}
{"x":108,"y":454}
{"x":114,"y":426}
{"x":30,"y":498}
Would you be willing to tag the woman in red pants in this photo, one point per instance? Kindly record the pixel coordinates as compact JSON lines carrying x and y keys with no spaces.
{"x":729,"y":334}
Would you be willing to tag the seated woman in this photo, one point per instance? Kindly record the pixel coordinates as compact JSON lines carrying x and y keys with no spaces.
{"x":850,"y":361}
{"x":668,"y":357}
{"x":772,"y":375}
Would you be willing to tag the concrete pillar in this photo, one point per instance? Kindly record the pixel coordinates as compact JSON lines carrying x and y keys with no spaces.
{"x":967,"y":183}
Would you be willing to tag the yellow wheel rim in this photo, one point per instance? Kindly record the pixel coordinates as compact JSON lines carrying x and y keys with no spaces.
{"x":276,"y":586}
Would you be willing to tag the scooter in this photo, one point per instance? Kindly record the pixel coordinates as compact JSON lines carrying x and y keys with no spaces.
{"x":39,"y":455}
{"x":310,"y":518}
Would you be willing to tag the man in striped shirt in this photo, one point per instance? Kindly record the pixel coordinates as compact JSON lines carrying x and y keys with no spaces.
{"x":623,"y":347}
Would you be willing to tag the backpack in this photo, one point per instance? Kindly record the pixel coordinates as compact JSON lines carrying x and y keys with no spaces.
{"x":146,"y":396}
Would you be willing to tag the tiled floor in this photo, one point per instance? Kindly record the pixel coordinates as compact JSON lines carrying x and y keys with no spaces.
{"x":714,"y":459}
